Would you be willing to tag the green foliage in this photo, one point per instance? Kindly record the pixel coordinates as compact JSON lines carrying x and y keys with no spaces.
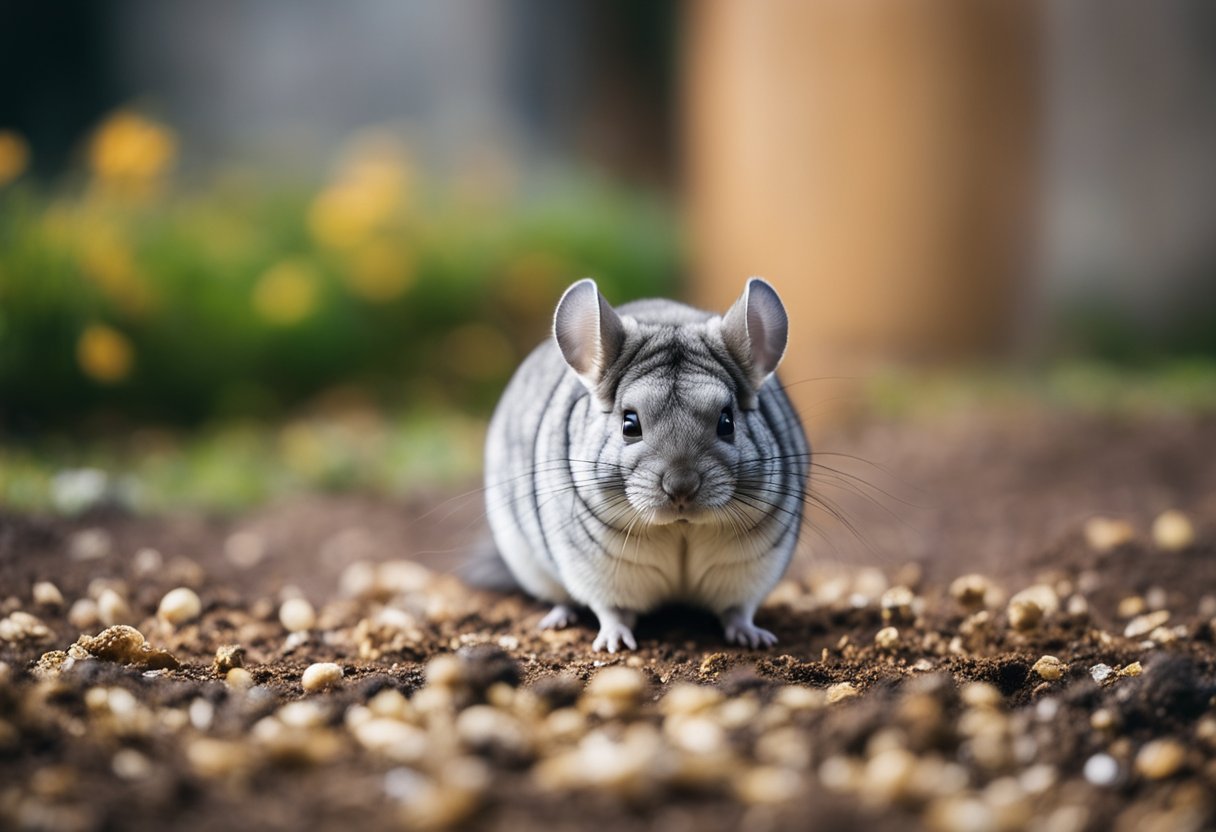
{"x":247,"y":298}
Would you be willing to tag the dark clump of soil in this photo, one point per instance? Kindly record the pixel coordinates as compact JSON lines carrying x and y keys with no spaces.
{"x":890,"y":702}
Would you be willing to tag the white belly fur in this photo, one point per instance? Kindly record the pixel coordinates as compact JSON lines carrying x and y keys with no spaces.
{"x":694,"y":564}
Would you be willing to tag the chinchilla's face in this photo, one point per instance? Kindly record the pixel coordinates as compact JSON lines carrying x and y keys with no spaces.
{"x":676,"y":433}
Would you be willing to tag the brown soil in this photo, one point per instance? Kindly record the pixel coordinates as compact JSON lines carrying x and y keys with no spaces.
{"x":1004,"y":496}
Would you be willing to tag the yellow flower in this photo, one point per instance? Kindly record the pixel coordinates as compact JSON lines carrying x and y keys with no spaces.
{"x":380,"y":271}
{"x":131,"y":148}
{"x":104,"y":354}
{"x":14,"y":156}
{"x":368,"y":190}
{"x":287,"y":293}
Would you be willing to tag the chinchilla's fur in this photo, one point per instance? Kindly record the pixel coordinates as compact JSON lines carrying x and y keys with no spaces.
{"x":646,"y":455}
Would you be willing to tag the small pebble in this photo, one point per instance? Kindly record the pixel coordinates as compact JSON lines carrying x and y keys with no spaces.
{"x":1133,"y":669}
{"x":1101,"y":770}
{"x":1104,"y":533}
{"x":1024,"y":615}
{"x":83,"y":614}
{"x":980,"y":695}
{"x":320,"y":676}
{"x":112,"y":609}
{"x":1159,"y":759}
{"x":1142,"y":625}
{"x":1131,"y":606}
{"x":1049,"y":668}
{"x":887,"y":637}
{"x":970,"y":591}
{"x":46,"y":594}
{"x":90,"y":544}
{"x":684,"y":698}
{"x":147,"y":562}
{"x":238,"y":678}
{"x":129,"y":764}
{"x":840,"y":692}
{"x":1172,"y":531}
{"x":617,"y":683}
{"x":1101,"y":672}
{"x":297,"y":615}
{"x":768,"y":785}
{"x":445,"y":671}
{"x":179,"y":606}
{"x":897,"y":603}
{"x":228,"y":656}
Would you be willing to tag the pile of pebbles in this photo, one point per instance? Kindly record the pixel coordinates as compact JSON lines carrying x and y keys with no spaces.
{"x":409,"y":702}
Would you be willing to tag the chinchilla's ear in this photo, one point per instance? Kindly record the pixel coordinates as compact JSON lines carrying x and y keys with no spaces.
{"x":589,"y":334}
{"x":755,"y":330}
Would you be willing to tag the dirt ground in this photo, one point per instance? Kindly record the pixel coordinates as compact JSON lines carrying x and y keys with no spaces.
{"x":898,"y":696}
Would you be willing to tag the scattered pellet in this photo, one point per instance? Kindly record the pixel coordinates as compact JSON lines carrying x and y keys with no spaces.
{"x":1159,"y":759}
{"x":90,"y":544}
{"x":216,"y":758}
{"x":125,"y":645}
{"x":228,"y":656}
{"x":897,"y":605}
{"x":46,"y":594}
{"x":887,"y":637}
{"x":798,"y":698}
{"x":1024,"y":615}
{"x":445,"y":670}
{"x":320,"y":676}
{"x":840,"y":692}
{"x":686,"y":698}
{"x":960,"y":814}
{"x":1172,"y":531}
{"x":22,"y":626}
{"x":1133,"y":669}
{"x":83,"y":614}
{"x":1101,"y":770}
{"x":970,"y":591}
{"x":180,"y":606}
{"x":130,"y":764}
{"x":112,"y":608}
{"x":617,"y":683}
{"x":1104,"y":533}
{"x":1049,"y":668}
{"x":147,"y":562}
{"x":238,"y":678}
{"x":767,"y":785}
{"x":1130,"y":606}
{"x":980,"y":695}
{"x":1144,"y":624}
{"x":297,"y":615}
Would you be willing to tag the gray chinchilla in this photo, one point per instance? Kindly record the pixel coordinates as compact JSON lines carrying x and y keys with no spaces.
{"x":645,"y":455}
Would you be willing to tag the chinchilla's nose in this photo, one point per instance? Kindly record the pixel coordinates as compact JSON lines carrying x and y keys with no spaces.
{"x":681,"y":484}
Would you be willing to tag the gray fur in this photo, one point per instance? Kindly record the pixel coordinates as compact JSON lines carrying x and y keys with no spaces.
{"x":585,"y":516}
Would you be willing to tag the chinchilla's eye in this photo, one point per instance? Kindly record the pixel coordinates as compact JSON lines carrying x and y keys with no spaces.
{"x":631,"y":426}
{"x":726,"y":424}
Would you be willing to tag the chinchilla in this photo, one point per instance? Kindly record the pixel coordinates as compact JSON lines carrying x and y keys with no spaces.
{"x":646,"y":455}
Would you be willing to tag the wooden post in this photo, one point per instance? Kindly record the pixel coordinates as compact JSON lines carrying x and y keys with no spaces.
{"x":874,"y":160}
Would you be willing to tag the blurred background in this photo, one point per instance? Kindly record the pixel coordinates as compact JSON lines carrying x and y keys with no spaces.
{"x":250,"y":247}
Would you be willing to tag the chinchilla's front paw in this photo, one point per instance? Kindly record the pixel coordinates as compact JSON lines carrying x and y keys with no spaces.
{"x":616,"y":630}
{"x":742,"y":631}
{"x":613,"y":637}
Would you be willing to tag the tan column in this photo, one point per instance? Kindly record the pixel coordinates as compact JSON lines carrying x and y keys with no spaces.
{"x":875,"y":160}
